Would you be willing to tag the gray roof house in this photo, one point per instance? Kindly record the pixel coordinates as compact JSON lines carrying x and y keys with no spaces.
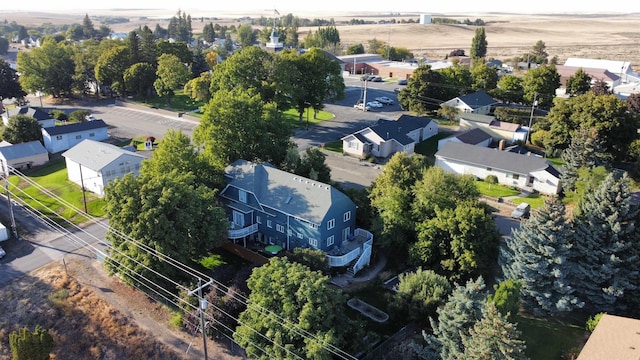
{"x":23,"y":156}
{"x":275,"y":207}
{"x":43,"y":117}
{"x":63,"y":137}
{"x":527,"y":172}
{"x":93,"y":164}
{"x":387,"y":137}
{"x":478,"y":102}
{"x":475,"y":136}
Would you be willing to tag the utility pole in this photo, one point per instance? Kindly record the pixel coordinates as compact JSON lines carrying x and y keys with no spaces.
{"x":84,"y":196}
{"x":364,"y":97}
{"x":13,"y":218}
{"x":533,"y":106}
{"x":202,"y":306}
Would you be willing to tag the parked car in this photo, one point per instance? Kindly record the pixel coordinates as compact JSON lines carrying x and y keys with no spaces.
{"x":397,"y":90}
{"x":402,"y":82}
{"x":521,"y":211}
{"x":384,"y":100}
{"x":376,"y":79}
{"x":374,"y":104}
{"x":2,"y":252}
{"x":364,"y":78}
{"x":361,"y":107}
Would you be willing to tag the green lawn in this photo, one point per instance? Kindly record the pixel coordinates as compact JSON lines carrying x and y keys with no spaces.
{"x":54,"y":178}
{"x":335,"y":146}
{"x":495,"y":190}
{"x":293,"y":117}
{"x":549,"y":339}
{"x":180,"y":102}
{"x":556,"y":161}
{"x":535,"y":200}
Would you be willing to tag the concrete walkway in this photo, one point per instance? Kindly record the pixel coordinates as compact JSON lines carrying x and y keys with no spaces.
{"x":367,"y":274}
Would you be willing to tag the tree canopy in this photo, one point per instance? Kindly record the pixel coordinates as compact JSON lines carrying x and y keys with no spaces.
{"x":22,"y":128}
{"x":237,"y":124}
{"x":9,"y":84}
{"x":479,"y":44}
{"x":48,"y":68}
{"x":172,"y":75}
{"x":292,"y":313}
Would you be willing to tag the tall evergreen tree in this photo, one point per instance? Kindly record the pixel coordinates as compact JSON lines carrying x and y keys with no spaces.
{"x":607,"y":246}
{"x":87,"y":27}
{"x":537,"y":255}
{"x":133,"y":45}
{"x":461,"y":311}
{"x":586,"y":150}
{"x":479,"y":44}
{"x":147,"y":46}
{"x":493,"y":337}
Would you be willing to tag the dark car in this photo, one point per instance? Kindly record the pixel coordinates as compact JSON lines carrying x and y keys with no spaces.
{"x":376,"y":79}
{"x":402,"y":82}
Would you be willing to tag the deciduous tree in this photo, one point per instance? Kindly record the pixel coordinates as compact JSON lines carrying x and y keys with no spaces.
{"x":246,"y":35}
{"x":48,"y":68}
{"x":9,"y":84}
{"x":111,"y":66}
{"x":312,"y":165}
{"x":239,"y":125}
{"x":22,"y":128}
{"x":139,"y":78}
{"x":578,"y":83}
{"x":419,"y":294}
{"x":292,"y":313}
{"x":510,"y":89}
{"x":484,"y":77}
{"x":540,"y":84}
{"x":425,"y":92}
{"x":172,"y":74}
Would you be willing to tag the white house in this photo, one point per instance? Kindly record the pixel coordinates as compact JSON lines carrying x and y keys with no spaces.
{"x":94,"y":164}
{"x":60,"y":138}
{"x":526,"y":172}
{"x":43,"y":117}
{"x":23,"y":156}
{"x":387,"y":137}
{"x":478,"y":102}
{"x":475,"y":136}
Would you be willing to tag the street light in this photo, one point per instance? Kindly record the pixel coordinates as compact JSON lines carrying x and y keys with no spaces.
{"x":533,"y":106}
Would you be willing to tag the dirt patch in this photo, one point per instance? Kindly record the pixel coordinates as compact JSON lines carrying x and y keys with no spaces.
{"x":94,"y":316}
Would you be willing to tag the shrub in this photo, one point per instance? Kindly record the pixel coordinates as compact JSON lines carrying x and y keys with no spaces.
{"x":593,"y":321}
{"x":79,"y":115}
{"x":59,"y":115}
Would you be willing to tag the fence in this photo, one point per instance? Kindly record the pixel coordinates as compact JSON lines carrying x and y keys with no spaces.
{"x":385,"y":347}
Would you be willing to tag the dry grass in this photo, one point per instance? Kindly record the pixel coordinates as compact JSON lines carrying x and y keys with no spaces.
{"x":613,"y":37}
{"x":93,"y":316}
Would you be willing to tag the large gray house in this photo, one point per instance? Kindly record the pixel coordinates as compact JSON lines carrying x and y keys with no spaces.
{"x":276,"y":207}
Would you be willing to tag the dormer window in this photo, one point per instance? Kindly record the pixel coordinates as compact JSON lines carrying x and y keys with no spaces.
{"x":242,"y":196}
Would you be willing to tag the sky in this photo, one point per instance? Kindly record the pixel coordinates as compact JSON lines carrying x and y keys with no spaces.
{"x":335,"y":6}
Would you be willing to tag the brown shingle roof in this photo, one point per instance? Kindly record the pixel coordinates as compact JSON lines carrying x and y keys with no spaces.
{"x":615,"y":337}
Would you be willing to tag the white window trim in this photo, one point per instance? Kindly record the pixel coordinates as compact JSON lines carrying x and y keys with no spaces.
{"x":280,"y":228}
{"x":313,"y":242}
{"x":269,"y":224}
{"x":330,"y":240}
{"x":331,"y":224}
{"x":242,"y":196}
{"x":347,"y":216}
{"x":258,"y":219}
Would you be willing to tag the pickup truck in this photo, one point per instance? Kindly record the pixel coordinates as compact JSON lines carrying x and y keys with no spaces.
{"x":521,"y":211}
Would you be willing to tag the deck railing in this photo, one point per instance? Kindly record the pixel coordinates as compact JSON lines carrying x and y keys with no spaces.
{"x":245,"y":231}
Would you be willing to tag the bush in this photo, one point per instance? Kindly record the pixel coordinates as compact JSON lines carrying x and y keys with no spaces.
{"x":491,"y":179}
{"x":59,"y":115}
{"x":593,"y":321}
{"x":79,"y":115}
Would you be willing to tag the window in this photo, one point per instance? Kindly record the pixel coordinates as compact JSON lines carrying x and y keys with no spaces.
{"x":300,"y":236}
{"x":59,"y":137}
{"x":78,"y":136}
{"x":242,"y":195}
{"x":313,"y":242}
{"x":258,"y":219}
{"x":92,"y":134}
{"x":352,"y":144}
{"x":331,"y":224}
{"x":347,"y":216}
{"x":313,"y":226}
{"x":269,"y":224}
{"x":516,"y":176}
{"x":489,"y":169}
{"x":280,"y":228}
{"x":330,"y":240}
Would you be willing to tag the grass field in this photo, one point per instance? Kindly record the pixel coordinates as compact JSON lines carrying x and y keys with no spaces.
{"x":495,"y":190}
{"x":535,"y":200}
{"x":53,"y":177}
{"x":308,"y":119}
{"x":549,"y":339}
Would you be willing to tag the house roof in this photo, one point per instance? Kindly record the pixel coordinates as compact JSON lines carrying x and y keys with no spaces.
{"x":396,"y":129}
{"x":503,"y":125}
{"x":615,"y":66}
{"x":34,"y":112}
{"x":477,"y":99}
{"x":614,"y":337}
{"x":22,"y":150}
{"x":95,"y":155}
{"x":77,"y":127}
{"x":474,"y":136}
{"x":566,"y":72}
{"x":286,"y":192}
{"x":494,"y":158}
{"x":485,"y":119}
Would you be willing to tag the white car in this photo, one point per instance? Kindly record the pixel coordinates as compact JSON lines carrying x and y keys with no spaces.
{"x":362,"y":107}
{"x":375,"y":104}
{"x":384,"y":100}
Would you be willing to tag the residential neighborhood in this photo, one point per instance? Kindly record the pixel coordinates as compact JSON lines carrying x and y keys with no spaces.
{"x":223,"y":176}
